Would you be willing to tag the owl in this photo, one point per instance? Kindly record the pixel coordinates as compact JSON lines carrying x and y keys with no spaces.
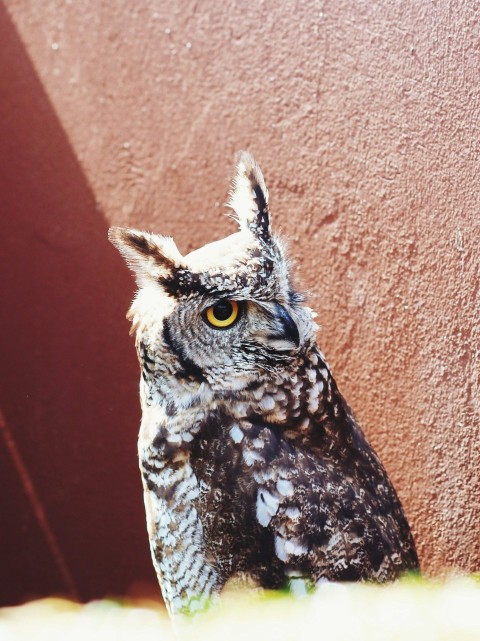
{"x":253,"y":466}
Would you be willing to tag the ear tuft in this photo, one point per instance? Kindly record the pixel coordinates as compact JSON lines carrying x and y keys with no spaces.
{"x":149,"y":256}
{"x":249,"y":197}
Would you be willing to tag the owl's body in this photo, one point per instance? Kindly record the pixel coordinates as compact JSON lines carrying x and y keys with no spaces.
{"x":253,"y":466}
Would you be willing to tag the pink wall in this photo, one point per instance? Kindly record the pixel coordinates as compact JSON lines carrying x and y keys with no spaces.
{"x":365,"y":118}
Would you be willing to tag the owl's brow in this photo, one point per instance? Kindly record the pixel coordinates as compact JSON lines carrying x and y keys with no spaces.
{"x":183,"y":283}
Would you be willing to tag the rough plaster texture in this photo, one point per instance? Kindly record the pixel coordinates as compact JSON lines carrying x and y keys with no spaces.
{"x":365,"y":118}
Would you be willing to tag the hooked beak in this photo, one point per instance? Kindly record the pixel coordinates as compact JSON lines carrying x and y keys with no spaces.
{"x":289,"y":329}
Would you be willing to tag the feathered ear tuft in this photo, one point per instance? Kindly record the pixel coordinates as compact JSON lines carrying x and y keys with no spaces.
{"x":149,"y":256}
{"x":249,"y":198}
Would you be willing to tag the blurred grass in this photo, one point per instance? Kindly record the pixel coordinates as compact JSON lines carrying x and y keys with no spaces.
{"x":412,"y":609}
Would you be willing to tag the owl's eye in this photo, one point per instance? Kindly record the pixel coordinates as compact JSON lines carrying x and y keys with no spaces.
{"x":223,"y":314}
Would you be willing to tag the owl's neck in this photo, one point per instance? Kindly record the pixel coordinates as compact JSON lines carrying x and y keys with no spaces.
{"x":295,"y":399}
{"x":304,"y":392}
{"x":305,"y":406}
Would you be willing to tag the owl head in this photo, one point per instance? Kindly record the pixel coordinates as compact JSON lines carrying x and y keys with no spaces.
{"x":225,"y":313}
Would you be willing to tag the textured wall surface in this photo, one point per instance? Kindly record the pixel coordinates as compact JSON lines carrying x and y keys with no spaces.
{"x":365,"y":119}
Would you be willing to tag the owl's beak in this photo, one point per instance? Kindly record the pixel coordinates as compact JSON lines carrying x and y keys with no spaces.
{"x":288,"y":325}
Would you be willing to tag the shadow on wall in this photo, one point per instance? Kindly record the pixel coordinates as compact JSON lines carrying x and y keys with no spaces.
{"x":68,"y":368}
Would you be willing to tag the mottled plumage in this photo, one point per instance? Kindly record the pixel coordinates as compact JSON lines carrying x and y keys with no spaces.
{"x":252,"y":463}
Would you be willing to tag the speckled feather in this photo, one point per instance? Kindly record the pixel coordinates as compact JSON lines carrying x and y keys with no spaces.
{"x":252,"y":463}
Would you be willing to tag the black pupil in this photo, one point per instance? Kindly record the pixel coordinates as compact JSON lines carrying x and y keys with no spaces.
{"x":222,"y":310}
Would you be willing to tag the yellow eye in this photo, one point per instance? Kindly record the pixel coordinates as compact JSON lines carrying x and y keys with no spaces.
{"x":223,"y":314}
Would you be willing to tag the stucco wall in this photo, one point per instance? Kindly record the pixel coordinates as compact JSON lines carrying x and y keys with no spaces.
{"x":365,"y":119}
